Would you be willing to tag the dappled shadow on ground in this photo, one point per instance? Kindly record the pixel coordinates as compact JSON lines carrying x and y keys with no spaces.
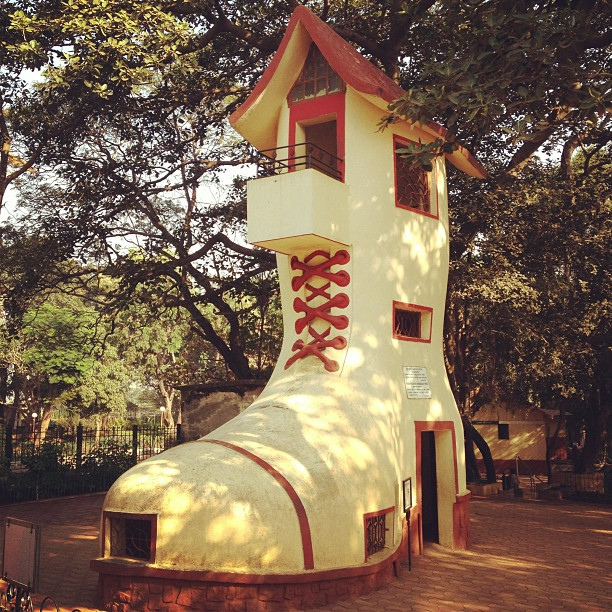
{"x":525,"y":555}
{"x":69,"y":540}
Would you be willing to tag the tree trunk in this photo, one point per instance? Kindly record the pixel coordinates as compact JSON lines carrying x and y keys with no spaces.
{"x":471,"y":464}
{"x":166,"y":391}
{"x":473,"y":436}
{"x":551,"y":445}
{"x":98,"y":428}
{"x":3,"y":384}
{"x":596,"y":418}
{"x":46,"y":412}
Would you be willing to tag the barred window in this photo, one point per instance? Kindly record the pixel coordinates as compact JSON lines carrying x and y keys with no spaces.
{"x":411,"y":184}
{"x":376,"y":527}
{"x":408,"y":323}
{"x":411,"y":322}
{"x":130,"y":537}
{"x":376,"y":533}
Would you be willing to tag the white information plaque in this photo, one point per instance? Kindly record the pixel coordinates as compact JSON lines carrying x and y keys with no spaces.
{"x":417,"y":382}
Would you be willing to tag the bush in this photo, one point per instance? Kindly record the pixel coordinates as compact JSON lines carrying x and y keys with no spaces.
{"x":108,"y":455}
{"x":49,"y":457}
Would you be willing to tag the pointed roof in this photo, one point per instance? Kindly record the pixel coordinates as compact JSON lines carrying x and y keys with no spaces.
{"x":257,"y":118}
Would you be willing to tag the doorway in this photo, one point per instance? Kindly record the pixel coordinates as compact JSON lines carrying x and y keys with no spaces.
{"x":322,"y":147}
{"x":429,"y":487}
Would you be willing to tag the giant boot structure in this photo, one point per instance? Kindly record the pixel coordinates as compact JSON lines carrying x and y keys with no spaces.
{"x":307,"y":495}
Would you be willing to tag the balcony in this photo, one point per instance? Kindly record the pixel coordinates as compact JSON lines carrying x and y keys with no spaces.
{"x":298,"y":205}
{"x":300,"y":156}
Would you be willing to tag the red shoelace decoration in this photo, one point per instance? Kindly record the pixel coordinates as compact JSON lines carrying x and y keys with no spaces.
{"x":320,"y":340}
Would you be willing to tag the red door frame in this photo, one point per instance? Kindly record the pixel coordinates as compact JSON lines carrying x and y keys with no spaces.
{"x":333,"y":104}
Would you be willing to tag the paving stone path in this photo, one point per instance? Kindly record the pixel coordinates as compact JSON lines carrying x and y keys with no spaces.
{"x":526,"y":555}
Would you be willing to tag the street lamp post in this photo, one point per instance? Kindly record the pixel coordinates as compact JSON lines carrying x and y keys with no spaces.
{"x":162,"y":409}
{"x":34,"y":417}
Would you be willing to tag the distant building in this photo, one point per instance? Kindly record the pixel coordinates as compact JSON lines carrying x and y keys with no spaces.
{"x":523,"y":431}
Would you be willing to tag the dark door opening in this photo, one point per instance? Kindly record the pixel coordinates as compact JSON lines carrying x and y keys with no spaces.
{"x":429,"y":487}
{"x":322,"y":148}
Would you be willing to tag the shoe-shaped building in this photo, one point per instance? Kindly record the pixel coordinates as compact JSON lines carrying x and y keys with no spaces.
{"x":355,"y":447}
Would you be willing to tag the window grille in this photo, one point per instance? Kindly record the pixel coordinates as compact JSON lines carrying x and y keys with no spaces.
{"x":130,"y":538}
{"x":316,"y":79}
{"x":376,"y":532}
{"x":407,"y":323}
{"x":411,"y":185}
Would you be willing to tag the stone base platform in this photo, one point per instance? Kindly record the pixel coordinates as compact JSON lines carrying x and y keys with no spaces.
{"x":127,"y":588}
{"x":484,"y":490}
{"x":123,"y":594}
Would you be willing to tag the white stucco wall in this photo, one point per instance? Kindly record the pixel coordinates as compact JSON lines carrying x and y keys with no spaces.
{"x":344,"y":440}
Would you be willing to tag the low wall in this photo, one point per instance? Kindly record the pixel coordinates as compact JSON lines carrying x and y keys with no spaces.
{"x":204,"y":411}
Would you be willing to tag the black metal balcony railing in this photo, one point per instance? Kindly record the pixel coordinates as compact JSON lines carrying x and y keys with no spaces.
{"x":298,"y":157}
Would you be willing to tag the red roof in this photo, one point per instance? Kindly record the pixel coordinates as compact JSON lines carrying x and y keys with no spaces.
{"x":353,"y":69}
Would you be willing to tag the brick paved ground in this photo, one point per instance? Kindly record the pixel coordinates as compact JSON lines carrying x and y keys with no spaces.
{"x":526,"y":555}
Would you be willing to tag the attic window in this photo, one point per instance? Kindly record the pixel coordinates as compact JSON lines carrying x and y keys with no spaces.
{"x":316,"y":79}
{"x":411,"y":184}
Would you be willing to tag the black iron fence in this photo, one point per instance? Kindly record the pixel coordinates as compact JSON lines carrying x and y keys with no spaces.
{"x":73,"y":461}
{"x":592,"y":482}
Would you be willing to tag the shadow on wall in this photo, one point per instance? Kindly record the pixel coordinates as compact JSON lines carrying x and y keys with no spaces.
{"x":240,"y":502}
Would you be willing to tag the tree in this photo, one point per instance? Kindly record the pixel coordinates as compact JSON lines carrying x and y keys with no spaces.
{"x":58,"y":344}
{"x":520,"y":74}
{"x":25,"y":279}
{"x":101,"y":391}
{"x":130,"y":112}
{"x":520,"y":77}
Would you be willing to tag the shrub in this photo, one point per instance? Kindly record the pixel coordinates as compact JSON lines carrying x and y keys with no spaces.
{"x":49,"y":457}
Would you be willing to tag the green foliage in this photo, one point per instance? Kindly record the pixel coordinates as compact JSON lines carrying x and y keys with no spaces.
{"x":59,"y":340}
{"x":110,"y":456}
{"x":424,"y":154}
{"x":126,"y":129}
{"x":107,"y":45}
{"x":102,"y":390}
{"x":518,"y":70}
{"x":48,"y":458}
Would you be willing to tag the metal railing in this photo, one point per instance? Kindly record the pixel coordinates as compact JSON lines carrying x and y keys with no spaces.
{"x":74,"y":461}
{"x":15,"y":597}
{"x":299,"y":156}
{"x":22,"y":444}
{"x":532,"y":477}
{"x":590,"y":482}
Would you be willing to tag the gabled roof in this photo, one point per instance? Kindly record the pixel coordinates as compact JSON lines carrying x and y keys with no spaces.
{"x":257,"y":118}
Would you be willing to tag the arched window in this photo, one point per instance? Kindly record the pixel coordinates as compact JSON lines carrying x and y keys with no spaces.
{"x":316,"y":79}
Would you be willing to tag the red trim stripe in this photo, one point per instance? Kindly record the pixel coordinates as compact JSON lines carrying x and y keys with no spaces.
{"x":297,"y":502}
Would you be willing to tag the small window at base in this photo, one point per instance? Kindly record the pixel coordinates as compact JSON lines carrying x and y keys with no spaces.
{"x":130,"y":538}
{"x":376,"y":526}
{"x":503,"y":431}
